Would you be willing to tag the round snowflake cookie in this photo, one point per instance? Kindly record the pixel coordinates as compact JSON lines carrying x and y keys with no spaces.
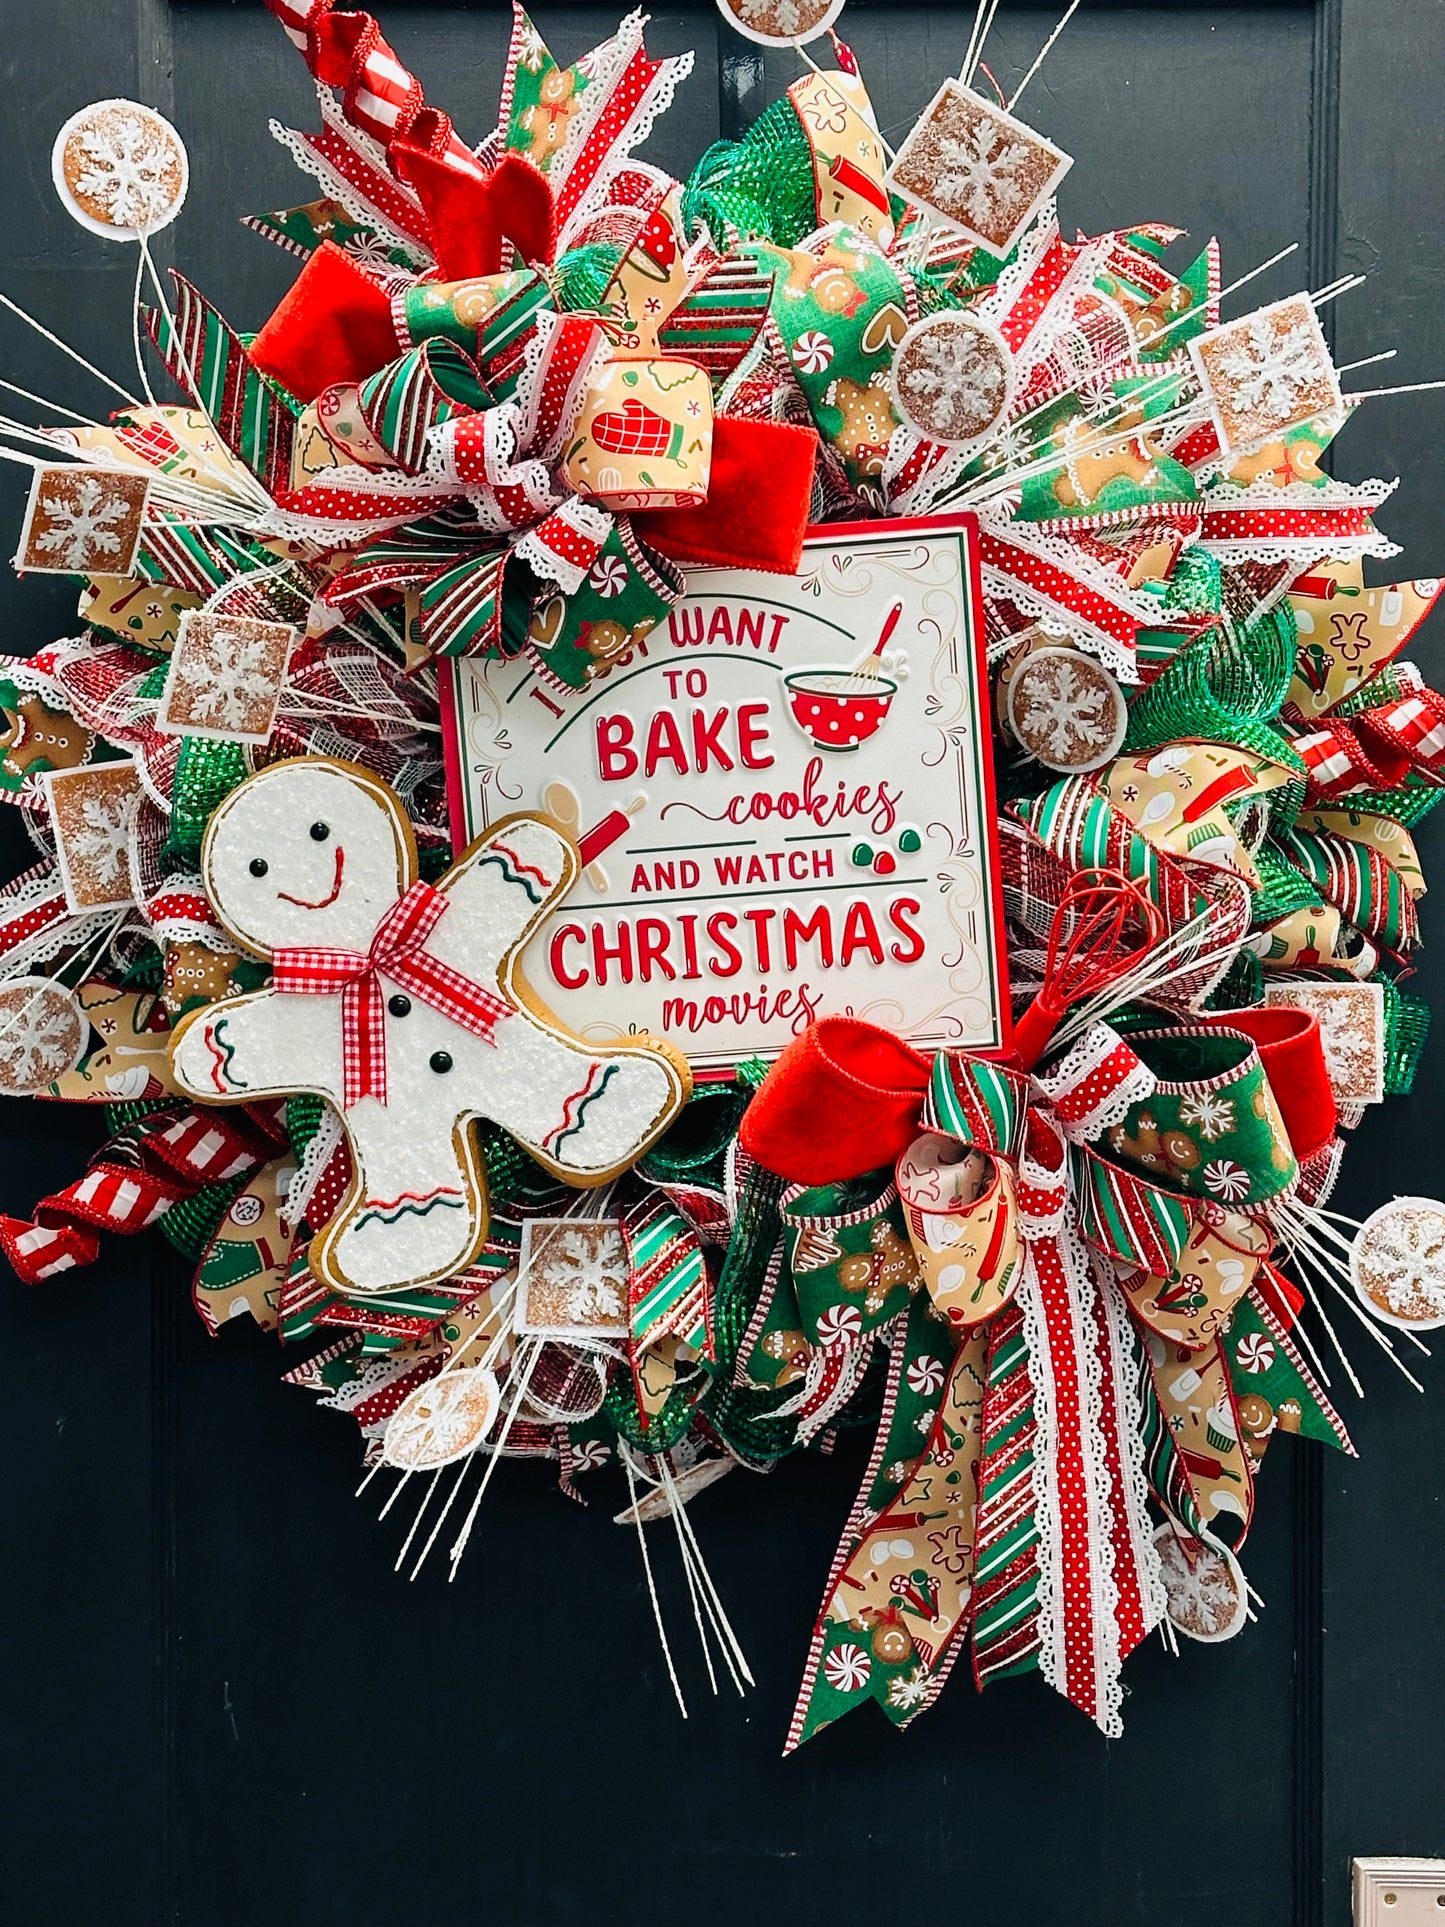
{"x":1204,"y":1589}
{"x":1066,"y":710}
{"x":42,"y":1035}
{"x":1397,"y":1265}
{"x":952,"y":378}
{"x":443,"y":1420}
{"x":120,"y":169}
{"x":780,"y":23}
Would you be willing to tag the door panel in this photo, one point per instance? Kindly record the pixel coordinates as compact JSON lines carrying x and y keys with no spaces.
{"x":325,"y":1742}
{"x":1382,"y":1546}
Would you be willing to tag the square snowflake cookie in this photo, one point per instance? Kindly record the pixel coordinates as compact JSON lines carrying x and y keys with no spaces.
{"x":1352,"y":1033}
{"x":82,"y":521}
{"x":91,"y":810}
{"x":225,"y":677}
{"x":975,"y":167}
{"x":1266,"y":372}
{"x":572,"y":1279}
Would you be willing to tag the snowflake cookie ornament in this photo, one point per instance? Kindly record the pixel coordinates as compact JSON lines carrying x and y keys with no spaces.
{"x":1267,"y":372}
{"x":1066,"y":710}
{"x":1353,"y":1033}
{"x":82,"y":521}
{"x":120,"y":169}
{"x":443,"y":1420}
{"x":42,"y":1035}
{"x":977,"y":169}
{"x":780,"y":23}
{"x":1397,"y":1263}
{"x":402,"y":1003}
{"x":225,"y":678}
{"x":952,"y":378}
{"x":92,"y":810}
{"x":572,"y":1279}
{"x":1204,"y":1589}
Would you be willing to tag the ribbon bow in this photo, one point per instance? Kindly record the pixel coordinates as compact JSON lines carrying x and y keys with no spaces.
{"x":1037,"y":1536}
{"x":505,"y":457}
{"x":398,"y":951}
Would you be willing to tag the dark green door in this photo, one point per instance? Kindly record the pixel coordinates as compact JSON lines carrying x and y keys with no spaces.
{"x":222,"y":1707}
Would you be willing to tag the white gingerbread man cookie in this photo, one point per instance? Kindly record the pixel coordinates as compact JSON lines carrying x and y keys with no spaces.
{"x":401,"y":1004}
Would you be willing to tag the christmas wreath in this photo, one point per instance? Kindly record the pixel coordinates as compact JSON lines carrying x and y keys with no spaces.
{"x":946,"y":1024}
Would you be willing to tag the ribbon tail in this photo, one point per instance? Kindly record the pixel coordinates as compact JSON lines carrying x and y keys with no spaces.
{"x":1139,"y":1585}
{"x":363,"y":1031}
{"x":899,"y":1596}
{"x":1079,"y":1641}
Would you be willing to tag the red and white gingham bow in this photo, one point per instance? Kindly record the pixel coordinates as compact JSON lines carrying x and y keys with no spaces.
{"x":397,"y":952}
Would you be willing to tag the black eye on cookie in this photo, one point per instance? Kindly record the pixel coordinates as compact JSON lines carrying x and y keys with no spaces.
{"x":259,"y":866}
{"x":320,"y":832}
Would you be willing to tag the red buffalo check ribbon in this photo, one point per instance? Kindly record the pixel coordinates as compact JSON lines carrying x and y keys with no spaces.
{"x":398,"y":951}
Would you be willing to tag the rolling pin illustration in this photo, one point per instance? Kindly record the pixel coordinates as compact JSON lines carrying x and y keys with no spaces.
{"x":562,"y":802}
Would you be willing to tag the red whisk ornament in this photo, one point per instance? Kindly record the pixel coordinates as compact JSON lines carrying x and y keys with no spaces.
{"x":1092,"y":944}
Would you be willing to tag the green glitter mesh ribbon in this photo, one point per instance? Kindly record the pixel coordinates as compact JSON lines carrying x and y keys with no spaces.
{"x":1282,"y":888}
{"x":1407,"y":1025}
{"x":1225,"y":687}
{"x":581,"y":276}
{"x":206,"y":773}
{"x":1410,"y":804}
{"x":191,"y":1223}
{"x":696,"y":1145}
{"x":761,"y":186}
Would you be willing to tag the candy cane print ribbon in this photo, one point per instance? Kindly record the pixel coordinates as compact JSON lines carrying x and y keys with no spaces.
{"x":380,"y":97}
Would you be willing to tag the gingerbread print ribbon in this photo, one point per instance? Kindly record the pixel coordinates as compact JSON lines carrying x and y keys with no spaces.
{"x":398,"y":951}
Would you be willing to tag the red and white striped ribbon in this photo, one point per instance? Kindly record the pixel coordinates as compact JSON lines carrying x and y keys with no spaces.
{"x":380,"y":96}
{"x":132,"y":1181}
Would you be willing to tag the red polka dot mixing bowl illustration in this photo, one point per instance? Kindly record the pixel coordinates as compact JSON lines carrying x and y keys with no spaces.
{"x":841,"y":705}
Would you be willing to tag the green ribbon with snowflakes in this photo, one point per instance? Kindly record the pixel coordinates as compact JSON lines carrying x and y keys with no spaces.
{"x":1211,"y":1127}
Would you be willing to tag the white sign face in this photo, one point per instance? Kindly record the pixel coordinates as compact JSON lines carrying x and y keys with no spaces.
{"x":783,"y":802}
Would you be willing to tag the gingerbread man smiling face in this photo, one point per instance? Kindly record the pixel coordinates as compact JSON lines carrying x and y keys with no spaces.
{"x":402,"y":1005}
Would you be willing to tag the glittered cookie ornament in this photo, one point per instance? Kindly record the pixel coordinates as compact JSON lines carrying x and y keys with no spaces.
{"x":401,"y":1003}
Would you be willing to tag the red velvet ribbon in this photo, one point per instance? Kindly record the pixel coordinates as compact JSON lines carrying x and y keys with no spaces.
{"x":844,"y":1098}
{"x":469,"y":218}
{"x":1294,"y":1062}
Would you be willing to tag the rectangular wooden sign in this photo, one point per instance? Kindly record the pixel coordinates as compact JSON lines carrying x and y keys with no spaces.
{"x":783,"y":798}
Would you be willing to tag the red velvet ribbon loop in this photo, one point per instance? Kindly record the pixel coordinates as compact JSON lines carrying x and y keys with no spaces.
{"x":843,"y":1099}
{"x":1293,"y":1056}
